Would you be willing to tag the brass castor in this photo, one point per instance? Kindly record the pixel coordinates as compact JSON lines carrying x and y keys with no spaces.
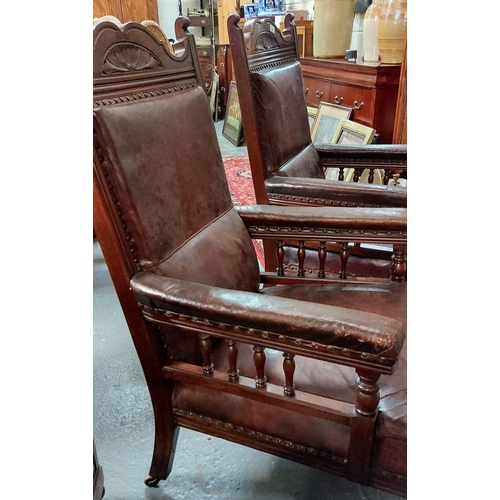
{"x":151,"y":481}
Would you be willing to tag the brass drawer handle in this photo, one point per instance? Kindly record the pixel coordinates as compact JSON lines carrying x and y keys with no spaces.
{"x":358,"y":106}
{"x":318,"y":94}
{"x":307,"y":90}
{"x":338,"y":100}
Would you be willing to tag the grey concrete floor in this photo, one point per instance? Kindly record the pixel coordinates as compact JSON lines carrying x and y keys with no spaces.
{"x":204,"y":467}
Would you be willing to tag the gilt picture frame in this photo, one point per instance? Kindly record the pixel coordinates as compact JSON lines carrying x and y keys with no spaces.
{"x":232,"y":129}
{"x":311,"y":114}
{"x":327,"y":121}
{"x":351,"y":133}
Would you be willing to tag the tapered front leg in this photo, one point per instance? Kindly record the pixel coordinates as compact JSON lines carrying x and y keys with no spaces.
{"x":166,"y":434}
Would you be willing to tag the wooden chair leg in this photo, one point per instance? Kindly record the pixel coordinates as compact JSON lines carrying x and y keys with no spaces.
{"x":363,"y":426}
{"x":166,"y":434}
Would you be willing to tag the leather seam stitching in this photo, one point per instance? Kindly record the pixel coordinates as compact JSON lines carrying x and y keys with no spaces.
{"x":188,"y":240}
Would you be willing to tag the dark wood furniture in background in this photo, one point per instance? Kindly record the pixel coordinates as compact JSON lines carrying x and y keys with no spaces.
{"x":127,"y":10}
{"x":399,"y":136}
{"x":304,"y":37}
{"x":371,"y":89}
{"x":206,"y":21}
{"x":217,"y":342}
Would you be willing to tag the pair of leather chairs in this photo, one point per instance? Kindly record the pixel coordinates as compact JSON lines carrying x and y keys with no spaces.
{"x":287,"y":169}
{"x":312,"y":368}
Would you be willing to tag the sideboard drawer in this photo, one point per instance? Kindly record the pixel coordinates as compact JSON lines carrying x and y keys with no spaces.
{"x":362,"y":101}
{"x":371,"y":88}
{"x":316,"y":90}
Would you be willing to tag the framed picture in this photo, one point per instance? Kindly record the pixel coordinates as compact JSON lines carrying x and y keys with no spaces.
{"x":311,"y":114}
{"x":351,"y":133}
{"x":250,"y":10}
{"x":272,"y":8}
{"x":232,"y":129}
{"x":327,"y":121}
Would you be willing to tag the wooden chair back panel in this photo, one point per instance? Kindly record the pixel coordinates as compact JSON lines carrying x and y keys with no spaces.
{"x":175,"y":235}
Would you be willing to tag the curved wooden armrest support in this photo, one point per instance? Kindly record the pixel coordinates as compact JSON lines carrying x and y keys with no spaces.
{"x":323,"y":192}
{"x":335,"y":334}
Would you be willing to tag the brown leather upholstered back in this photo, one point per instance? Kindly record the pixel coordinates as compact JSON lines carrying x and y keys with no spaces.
{"x":175,"y":199}
{"x":278,"y":94}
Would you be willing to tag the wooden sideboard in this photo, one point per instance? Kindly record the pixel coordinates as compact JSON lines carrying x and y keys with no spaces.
{"x":370,"y":89}
{"x":127,"y":10}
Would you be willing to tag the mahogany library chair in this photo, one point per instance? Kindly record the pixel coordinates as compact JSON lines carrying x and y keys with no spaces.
{"x":287,"y":168}
{"x":219,"y":340}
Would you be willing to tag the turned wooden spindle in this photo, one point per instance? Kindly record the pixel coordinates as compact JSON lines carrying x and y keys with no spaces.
{"x":387,"y":176}
{"x":301,"y":255}
{"x":344,"y":255}
{"x":398,"y":266}
{"x":322,"y":259}
{"x":367,"y":392}
{"x":232,"y":357}
{"x":280,"y":255}
{"x":259,"y":359}
{"x":289,"y":369}
{"x":341,"y":174}
{"x":357,"y":174}
{"x":371,"y":175}
{"x":206,"y":350}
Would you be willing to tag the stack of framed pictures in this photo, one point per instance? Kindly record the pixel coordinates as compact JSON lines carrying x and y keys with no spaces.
{"x":332,"y":125}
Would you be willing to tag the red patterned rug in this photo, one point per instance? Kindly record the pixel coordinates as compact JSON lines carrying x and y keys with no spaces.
{"x":239,"y":178}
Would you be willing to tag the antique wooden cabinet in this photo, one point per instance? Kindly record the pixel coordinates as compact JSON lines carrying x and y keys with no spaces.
{"x":400,"y":123}
{"x":370,"y":89}
{"x":202,"y":17}
{"x":127,"y":10}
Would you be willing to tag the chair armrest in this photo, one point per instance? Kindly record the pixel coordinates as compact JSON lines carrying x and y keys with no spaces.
{"x":345,"y":336}
{"x":352,"y":224}
{"x":308,"y":191}
{"x":383,"y":155}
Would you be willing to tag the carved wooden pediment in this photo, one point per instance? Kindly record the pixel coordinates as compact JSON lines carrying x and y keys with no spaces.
{"x":266,"y":41}
{"x":126,"y":56}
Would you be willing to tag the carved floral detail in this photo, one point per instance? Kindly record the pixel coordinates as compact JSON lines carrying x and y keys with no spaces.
{"x":127,"y":56}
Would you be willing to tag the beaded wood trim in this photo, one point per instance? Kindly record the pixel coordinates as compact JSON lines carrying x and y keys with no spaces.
{"x":142,"y":95}
{"x":123,"y":225}
{"x":280,"y":342}
{"x":259,"y":436}
{"x":286,"y":199}
{"x":337,"y":235}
